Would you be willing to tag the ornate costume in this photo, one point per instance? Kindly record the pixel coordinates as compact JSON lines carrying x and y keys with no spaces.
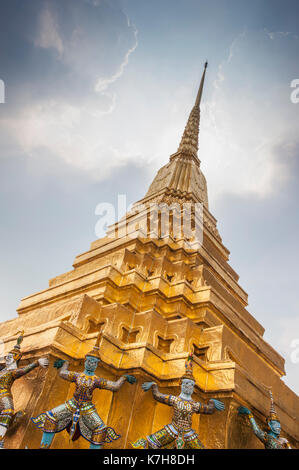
{"x":8,"y":375}
{"x":7,"y":378}
{"x":179,"y":433}
{"x":270,"y":439}
{"x":78,"y":415}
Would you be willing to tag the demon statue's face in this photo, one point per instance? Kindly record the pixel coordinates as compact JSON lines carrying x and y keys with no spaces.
{"x":274,"y":426}
{"x":91,"y":363}
{"x":187,"y":387}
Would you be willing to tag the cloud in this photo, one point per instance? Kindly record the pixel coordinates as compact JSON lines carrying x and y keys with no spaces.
{"x":248,"y":128}
{"x":234,"y":45}
{"x":70,"y":133}
{"x":287,"y":342}
{"x":289,"y":331}
{"x":79,"y":50}
{"x":278,"y":34}
{"x":48,"y":35}
{"x":103,"y":83}
{"x":59,"y":110}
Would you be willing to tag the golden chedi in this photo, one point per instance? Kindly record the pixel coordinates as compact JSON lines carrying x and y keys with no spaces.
{"x":155,"y":297}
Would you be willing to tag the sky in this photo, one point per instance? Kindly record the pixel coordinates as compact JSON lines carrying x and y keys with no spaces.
{"x":97,"y":94}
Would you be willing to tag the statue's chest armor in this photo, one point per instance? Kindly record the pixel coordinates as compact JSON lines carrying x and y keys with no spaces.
{"x":85,"y":386}
{"x":272,"y":443}
{"x":183,"y":409}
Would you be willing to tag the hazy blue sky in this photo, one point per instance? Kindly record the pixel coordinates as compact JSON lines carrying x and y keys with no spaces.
{"x":97,"y":96}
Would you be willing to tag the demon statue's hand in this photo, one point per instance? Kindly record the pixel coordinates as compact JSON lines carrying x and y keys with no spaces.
{"x":43,"y":362}
{"x":147,"y":385}
{"x":242,"y":410}
{"x":130,"y":378}
{"x":219,"y":405}
{"x":58,"y":363}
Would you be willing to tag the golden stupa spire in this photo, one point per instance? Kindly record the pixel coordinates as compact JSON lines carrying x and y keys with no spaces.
{"x":189,"y":141}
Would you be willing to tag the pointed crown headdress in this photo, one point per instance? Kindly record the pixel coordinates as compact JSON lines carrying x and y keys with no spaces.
{"x":95,"y":352}
{"x":189,"y":368}
{"x":16,"y":350}
{"x":272,"y":415}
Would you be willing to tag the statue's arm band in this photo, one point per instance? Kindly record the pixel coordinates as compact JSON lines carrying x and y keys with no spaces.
{"x":161,"y":397}
{"x":257,"y":431}
{"x":67,"y":375}
{"x":206,"y":409}
{"x":24,"y":370}
{"x":112,"y":386}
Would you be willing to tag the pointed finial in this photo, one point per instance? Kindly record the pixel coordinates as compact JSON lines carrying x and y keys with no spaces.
{"x":189,"y":141}
{"x":16,"y":350}
{"x":272,"y":415}
{"x":20,"y":338}
{"x":199,"y":94}
{"x":189,"y":368}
